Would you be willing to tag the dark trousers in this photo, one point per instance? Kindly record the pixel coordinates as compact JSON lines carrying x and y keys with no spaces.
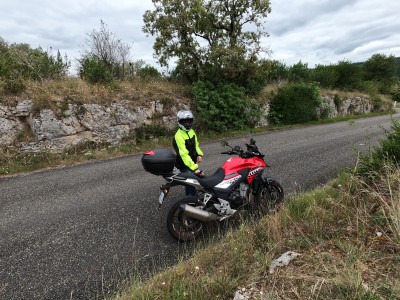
{"x":189,"y":190}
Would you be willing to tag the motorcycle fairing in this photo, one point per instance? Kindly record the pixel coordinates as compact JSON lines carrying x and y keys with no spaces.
{"x":235,"y":164}
{"x":253,"y":173}
{"x":232,"y":180}
{"x":228,"y":181}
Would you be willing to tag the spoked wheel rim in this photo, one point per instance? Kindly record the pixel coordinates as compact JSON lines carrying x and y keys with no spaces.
{"x":183,"y":227}
{"x":270,"y":197}
{"x":186,"y":227}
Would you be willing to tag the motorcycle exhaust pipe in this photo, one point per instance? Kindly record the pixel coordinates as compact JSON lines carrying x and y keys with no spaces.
{"x":198,"y":214}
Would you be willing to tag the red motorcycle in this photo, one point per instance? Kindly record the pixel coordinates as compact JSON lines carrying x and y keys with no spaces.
{"x":238,"y":185}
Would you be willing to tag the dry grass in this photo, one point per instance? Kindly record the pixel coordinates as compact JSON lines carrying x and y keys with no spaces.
{"x":136,"y":92}
{"x":347,"y":234}
{"x":343,"y":94}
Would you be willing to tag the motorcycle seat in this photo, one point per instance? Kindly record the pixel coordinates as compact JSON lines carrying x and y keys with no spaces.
{"x":207,"y":181}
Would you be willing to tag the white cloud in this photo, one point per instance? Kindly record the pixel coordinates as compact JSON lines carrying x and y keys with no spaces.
{"x":323,"y":32}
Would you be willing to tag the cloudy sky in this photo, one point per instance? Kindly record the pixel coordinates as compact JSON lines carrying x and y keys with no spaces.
{"x":311,"y":31}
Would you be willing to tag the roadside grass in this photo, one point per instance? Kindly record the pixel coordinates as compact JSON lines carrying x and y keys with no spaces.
{"x":347,"y":234}
{"x":13,"y":162}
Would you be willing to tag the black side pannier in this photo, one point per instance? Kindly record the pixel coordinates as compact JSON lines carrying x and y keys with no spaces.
{"x":159,"y":161}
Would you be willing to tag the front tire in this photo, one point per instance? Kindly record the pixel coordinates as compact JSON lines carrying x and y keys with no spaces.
{"x":181,"y":226}
{"x":269,"y":197}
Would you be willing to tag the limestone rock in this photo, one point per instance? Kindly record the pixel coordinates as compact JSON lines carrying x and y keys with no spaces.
{"x":59,"y":130}
{"x":9,"y":130}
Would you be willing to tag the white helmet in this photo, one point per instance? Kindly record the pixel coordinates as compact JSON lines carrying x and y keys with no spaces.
{"x":185,"y":119}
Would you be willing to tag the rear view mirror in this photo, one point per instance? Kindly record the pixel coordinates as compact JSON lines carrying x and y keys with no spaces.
{"x":237,"y":149}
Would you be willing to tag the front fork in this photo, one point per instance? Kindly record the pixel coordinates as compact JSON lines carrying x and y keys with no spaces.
{"x":258,"y":181}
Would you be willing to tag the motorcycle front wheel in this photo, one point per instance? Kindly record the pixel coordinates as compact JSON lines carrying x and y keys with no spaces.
{"x":181,"y":226}
{"x":269,"y":197}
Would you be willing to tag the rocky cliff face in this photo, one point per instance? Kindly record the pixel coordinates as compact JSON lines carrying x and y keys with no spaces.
{"x":24,"y":129}
{"x":57,"y":131}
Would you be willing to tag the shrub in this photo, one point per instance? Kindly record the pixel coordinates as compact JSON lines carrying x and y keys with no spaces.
{"x":379,"y":67}
{"x":388,"y":152}
{"x":337,"y":101}
{"x":299,"y":73}
{"x":221,"y":107}
{"x":148,"y":72}
{"x":295,"y":103}
{"x":277,"y":71}
{"x":93,"y":70}
{"x":20,"y":61}
{"x":395,"y":91}
{"x":148,"y":132}
{"x":349,"y":75}
{"x":326,"y":76}
{"x":14,"y":85}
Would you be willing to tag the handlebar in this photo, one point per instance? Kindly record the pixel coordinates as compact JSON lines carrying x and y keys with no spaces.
{"x":242,"y":154}
{"x":251,"y":150}
{"x":232,"y":152}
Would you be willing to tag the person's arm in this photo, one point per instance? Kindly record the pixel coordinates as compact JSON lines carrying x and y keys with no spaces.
{"x":198,"y":150}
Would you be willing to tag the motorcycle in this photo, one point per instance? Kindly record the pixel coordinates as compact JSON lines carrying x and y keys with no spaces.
{"x":237,"y":186}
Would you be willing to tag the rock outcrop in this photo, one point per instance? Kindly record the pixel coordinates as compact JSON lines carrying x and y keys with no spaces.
{"x":25,"y":129}
{"x":56,"y":131}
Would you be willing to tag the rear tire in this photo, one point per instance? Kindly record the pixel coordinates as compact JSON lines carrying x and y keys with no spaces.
{"x":181,"y":226}
{"x":269,"y":197}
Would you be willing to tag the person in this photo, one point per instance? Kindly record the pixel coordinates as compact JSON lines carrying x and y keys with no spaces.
{"x":186,"y":145}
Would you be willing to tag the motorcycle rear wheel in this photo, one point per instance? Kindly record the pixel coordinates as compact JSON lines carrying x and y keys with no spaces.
{"x":181,"y":226}
{"x":269,"y":197}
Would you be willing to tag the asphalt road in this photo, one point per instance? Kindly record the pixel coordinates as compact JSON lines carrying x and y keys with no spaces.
{"x":77,"y":232}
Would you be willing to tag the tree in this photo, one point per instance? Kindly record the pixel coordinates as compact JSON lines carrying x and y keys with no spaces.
{"x":208,"y":38}
{"x":326,"y":76}
{"x":299,"y":73}
{"x":23,"y":62}
{"x":105,"y":47}
{"x":380,"y":67}
{"x":349,"y":75}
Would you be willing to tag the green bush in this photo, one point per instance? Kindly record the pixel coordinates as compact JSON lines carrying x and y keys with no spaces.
{"x":148,"y":72}
{"x":379,"y":67}
{"x":388,"y":152}
{"x":326,"y":76}
{"x":93,"y":70}
{"x":20,"y":61}
{"x":14,"y":85}
{"x":295,"y":103}
{"x":349,"y":76}
{"x":299,"y":73}
{"x":148,"y":132}
{"x":395,"y":91}
{"x":277,"y":71}
{"x":221,"y":107}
